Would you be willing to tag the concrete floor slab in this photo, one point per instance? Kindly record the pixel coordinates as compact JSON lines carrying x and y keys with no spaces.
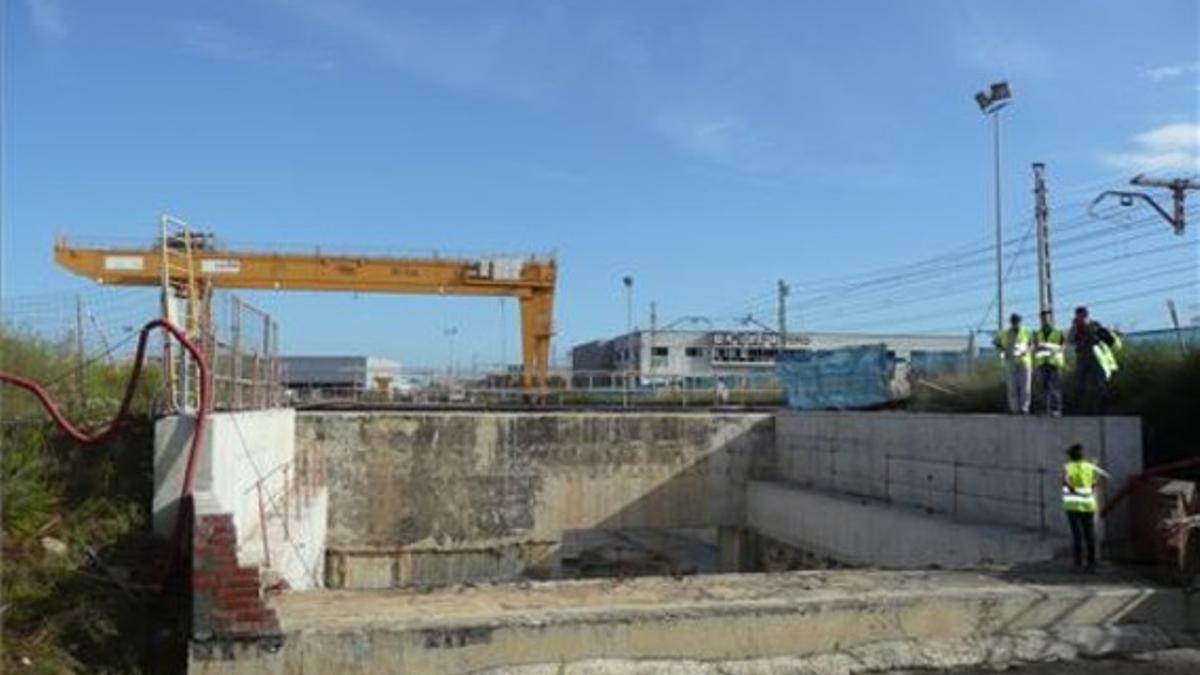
{"x":709,"y":619}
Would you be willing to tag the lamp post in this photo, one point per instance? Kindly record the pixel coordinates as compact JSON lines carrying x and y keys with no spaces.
{"x":991,"y":102}
{"x":449,"y":333}
{"x":628,"y":281}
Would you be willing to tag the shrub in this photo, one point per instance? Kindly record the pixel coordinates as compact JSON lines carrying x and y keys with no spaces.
{"x":75,"y":519}
{"x":1157,"y":383}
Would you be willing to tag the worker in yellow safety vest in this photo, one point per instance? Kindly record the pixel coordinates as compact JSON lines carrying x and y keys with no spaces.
{"x":1015,"y":346}
{"x":1096,"y":350}
{"x":1049,"y":359}
{"x":1080,"y":479}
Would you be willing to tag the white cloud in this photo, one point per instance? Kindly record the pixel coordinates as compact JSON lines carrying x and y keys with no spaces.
{"x":1172,"y":147}
{"x":1171,"y":136}
{"x":217,"y":41}
{"x":1170,"y":72}
{"x":460,"y":56}
{"x":726,"y":140}
{"x":47,"y":18}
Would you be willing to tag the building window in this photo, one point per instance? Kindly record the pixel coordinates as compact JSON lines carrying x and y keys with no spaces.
{"x":694,"y":352}
{"x":660,"y":351}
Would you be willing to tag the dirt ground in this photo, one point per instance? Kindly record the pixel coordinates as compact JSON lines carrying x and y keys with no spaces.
{"x":1169,"y":662}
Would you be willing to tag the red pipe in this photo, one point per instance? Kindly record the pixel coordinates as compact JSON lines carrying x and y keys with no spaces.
{"x":100,"y":434}
{"x":1188,"y":463}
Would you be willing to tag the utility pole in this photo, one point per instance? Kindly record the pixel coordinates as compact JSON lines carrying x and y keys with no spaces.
{"x":1175,"y":323}
{"x":449,"y":333}
{"x":1042,"y":212}
{"x":79,"y":346}
{"x":628,"y":281}
{"x":653,"y":327}
{"x":783,"y":291}
{"x":970,"y":351}
{"x":503,"y":338}
{"x":1179,"y":188}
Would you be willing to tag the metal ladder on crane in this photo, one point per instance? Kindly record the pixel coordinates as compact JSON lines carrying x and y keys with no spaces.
{"x":177,"y":244}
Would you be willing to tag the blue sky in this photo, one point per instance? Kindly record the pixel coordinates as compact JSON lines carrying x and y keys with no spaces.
{"x":706,"y":148}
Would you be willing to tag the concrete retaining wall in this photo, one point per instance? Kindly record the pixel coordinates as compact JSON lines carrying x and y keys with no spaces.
{"x":423,"y":497}
{"x":870,"y":533}
{"x":997,"y":469}
{"x":250,"y":469}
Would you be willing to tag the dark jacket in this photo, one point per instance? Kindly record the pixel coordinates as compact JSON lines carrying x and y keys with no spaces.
{"x":1085,"y":335}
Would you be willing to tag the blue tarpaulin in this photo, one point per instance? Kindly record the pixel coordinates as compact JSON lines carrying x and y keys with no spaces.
{"x":852,"y":377}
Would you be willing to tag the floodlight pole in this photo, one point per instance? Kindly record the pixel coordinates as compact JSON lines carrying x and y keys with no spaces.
{"x":628,"y":281}
{"x":995,"y":115}
{"x":991,"y":101}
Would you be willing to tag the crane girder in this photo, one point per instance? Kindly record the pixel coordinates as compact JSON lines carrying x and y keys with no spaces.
{"x":530,"y":280}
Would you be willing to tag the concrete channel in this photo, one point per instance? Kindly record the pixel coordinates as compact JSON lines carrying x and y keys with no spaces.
{"x":453,"y":542}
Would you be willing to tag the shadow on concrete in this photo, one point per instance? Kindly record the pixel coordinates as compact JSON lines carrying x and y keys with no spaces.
{"x":656,"y":534}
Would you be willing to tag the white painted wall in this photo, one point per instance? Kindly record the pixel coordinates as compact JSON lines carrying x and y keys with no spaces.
{"x":248,"y":469}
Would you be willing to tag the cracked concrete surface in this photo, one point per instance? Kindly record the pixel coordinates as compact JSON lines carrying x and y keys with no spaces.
{"x":839,"y":622}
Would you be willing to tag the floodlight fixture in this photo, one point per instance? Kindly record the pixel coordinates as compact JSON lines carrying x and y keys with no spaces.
{"x":996,"y":97}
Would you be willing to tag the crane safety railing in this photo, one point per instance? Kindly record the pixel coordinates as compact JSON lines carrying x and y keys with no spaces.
{"x":241,"y":344}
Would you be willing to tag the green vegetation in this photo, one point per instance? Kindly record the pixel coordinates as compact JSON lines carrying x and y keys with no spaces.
{"x":1157,"y":383}
{"x":77,"y":593}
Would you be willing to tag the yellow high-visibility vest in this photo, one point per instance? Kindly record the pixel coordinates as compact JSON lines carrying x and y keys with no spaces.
{"x":1019,"y":348}
{"x":1106,"y":358}
{"x":1081,"y":496}
{"x":1048,"y":348}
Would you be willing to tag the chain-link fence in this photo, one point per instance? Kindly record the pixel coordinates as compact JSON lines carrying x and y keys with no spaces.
{"x":93,"y":333}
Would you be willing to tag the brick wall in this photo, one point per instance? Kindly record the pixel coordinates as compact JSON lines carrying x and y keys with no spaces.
{"x":227,"y":598}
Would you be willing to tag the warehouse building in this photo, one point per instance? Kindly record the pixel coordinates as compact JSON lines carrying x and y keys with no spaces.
{"x":702,"y":354}
{"x":315,"y":377}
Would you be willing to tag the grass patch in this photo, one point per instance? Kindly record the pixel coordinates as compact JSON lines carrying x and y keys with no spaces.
{"x":76,"y":522}
{"x":1158,"y":383}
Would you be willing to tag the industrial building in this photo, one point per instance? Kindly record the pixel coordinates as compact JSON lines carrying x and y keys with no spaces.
{"x":709,"y":354}
{"x":308,"y":377}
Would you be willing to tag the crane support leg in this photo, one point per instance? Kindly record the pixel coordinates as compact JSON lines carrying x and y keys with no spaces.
{"x":536,"y":312}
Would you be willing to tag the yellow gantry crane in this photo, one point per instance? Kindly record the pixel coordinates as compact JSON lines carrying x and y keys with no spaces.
{"x":192,"y":265}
